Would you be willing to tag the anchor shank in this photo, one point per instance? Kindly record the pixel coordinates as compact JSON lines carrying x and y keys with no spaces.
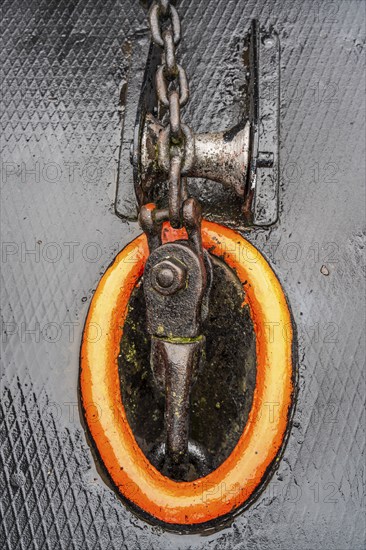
{"x":175,"y":366}
{"x":177,"y":280}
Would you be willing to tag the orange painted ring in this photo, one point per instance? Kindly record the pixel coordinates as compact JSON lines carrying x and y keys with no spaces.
{"x":229,"y":486}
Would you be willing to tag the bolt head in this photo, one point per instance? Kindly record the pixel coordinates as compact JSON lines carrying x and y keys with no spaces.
{"x":168,"y":276}
{"x":165,"y":277}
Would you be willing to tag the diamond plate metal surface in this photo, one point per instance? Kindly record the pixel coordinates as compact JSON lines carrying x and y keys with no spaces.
{"x":64,"y":65}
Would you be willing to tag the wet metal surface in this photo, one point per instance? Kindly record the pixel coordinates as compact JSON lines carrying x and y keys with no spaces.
{"x":222,"y":157}
{"x":244,"y":159}
{"x":223,"y":388}
{"x":65,"y":65}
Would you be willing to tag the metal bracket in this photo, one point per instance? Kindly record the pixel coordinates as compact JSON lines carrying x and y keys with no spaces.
{"x":263,"y":182}
{"x":245,"y":159}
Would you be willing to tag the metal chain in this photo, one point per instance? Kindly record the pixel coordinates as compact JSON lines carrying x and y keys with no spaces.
{"x":176,"y":141}
{"x":165,"y":304}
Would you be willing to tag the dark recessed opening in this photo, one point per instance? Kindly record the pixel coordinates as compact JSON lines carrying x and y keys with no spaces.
{"x":223,"y":392}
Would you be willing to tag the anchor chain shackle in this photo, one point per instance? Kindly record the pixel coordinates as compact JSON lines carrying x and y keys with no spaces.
{"x":177,"y":275}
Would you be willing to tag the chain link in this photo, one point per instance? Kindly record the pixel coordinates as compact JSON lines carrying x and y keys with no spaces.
{"x":176,"y":141}
{"x":162,"y":85}
{"x":169,"y":49}
{"x":164,"y":9}
{"x":176,"y":152}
